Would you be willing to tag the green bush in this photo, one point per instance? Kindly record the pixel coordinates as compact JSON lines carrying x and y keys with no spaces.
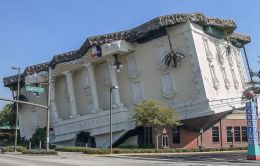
{"x":11,"y":149}
{"x":70,"y":149}
{"x":139,"y":150}
{"x":125,"y":146}
{"x":40,"y":152}
{"x":147,"y":146}
{"x":97,"y":151}
{"x":39,"y":135}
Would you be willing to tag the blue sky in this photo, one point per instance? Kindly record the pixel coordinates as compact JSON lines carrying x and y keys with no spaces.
{"x":31,"y":32}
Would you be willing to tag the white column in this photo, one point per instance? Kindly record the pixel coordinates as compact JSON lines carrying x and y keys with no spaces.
{"x":54,"y":111}
{"x":114,"y":82}
{"x":91,"y":75}
{"x":71,"y":95}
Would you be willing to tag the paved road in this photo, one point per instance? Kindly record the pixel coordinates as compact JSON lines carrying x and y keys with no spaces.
{"x":76,"y":159}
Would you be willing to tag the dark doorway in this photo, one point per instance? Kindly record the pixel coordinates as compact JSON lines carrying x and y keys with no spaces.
{"x":85,"y":140}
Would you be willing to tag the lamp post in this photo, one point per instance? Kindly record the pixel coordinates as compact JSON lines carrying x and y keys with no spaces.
{"x":17,"y":106}
{"x":201,"y":132}
{"x":110,"y":119}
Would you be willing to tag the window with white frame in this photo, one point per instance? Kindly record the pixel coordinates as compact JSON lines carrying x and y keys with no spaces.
{"x":160,"y":52}
{"x":167,"y":84}
{"x":137,"y":91}
{"x":131,"y":65}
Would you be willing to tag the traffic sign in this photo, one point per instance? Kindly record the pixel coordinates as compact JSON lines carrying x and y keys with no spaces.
{"x":34,"y":89}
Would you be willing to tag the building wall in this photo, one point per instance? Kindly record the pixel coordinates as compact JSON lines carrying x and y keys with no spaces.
{"x":187,"y":78}
{"x":31,"y":117}
{"x":191,"y":139}
{"x":215,"y":83}
{"x":192,"y":94}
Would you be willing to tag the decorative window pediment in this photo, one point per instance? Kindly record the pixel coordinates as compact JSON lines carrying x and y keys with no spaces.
{"x":133,"y":71}
{"x":168,"y":88}
{"x":137,"y":91}
{"x":160,"y":52}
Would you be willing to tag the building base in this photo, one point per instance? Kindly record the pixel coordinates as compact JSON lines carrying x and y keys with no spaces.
{"x":253,"y":157}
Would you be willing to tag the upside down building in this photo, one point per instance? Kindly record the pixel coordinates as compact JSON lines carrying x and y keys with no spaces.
{"x":204,"y":85}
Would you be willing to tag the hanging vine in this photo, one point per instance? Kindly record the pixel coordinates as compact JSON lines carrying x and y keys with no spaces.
{"x":172,"y":58}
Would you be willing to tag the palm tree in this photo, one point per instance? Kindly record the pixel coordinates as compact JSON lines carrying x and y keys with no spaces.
{"x":172,"y":58}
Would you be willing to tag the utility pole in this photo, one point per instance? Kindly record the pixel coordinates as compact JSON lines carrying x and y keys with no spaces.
{"x":17,"y":108}
{"x":48,"y":111}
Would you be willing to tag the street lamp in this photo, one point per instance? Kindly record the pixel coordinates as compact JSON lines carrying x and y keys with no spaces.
{"x":201,"y":132}
{"x":17,"y":106}
{"x":117,"y":65}
{"x":110,"y":120}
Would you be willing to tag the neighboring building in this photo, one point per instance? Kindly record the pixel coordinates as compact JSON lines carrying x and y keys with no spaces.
{"x":6,"y":133}
{"x":206,"y":87}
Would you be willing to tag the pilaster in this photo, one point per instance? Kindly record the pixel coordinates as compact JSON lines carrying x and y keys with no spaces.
{"x":114,"y":81}
{"x":71,"y":94}
{"x":91,"y":75}
{"x":54,"y":110}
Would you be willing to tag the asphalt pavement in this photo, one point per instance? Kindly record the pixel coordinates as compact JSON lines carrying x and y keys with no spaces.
{"x":78,"y":159}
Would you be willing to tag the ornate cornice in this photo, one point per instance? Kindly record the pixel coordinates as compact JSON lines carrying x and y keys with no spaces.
{"x":12,"y":79}
{"x":136,"y":34}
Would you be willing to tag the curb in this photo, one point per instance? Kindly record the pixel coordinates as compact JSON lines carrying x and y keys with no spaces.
{"x":162,"y":154}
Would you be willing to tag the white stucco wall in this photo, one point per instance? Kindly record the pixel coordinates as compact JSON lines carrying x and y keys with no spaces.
{"x":221,"y":95}
{"x":195,"y":92}
{"x":31,"y":117}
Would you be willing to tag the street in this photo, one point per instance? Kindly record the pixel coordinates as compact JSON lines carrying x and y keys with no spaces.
{"x":77,"y":159}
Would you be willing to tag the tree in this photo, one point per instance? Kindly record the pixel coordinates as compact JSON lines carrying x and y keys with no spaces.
{"x":153,"y":114}
{"x":39,"y":135}
{"x":7,"y":116}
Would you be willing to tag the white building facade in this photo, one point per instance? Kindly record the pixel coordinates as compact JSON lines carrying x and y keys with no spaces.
{"x":208,"y":82}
